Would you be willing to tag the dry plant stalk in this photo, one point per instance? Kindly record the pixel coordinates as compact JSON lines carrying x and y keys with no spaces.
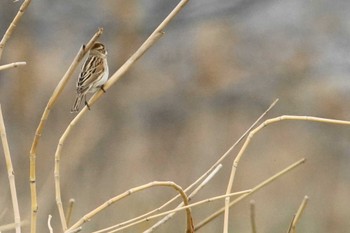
{"x":170,"y":215}
{"x":13,"y":24}
{"x":135,"y":221}
{"x":70,"y":210}
{"x":58,"y":90}
{"x":111,"y":201}
{"x":256,"y":188}
{"x":114,"y":78}
{"x":11,"y":174}
{"x":298,"y":215}
{"x":251,"y":135}
{"x":49,"y":224}
{"x":177,"y":209}
{"x":244,"y":195}
{"x":252,"y":216}
{"x":13,"y":65}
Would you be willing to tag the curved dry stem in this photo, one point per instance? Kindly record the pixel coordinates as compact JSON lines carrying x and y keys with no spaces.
{"x":170,"y":215}
{"x":249,"y":138}
{"x":169,"y":212}
{"x":111,"y":201}
{"x":57,"y":92}
{"x":13,"y":65}
{"x":13,"y":24}
{"x":256,"y":188}
{"x":133,"y":221}
{"x":298,"y":215}
{"x":10,"y":173}
{"x":49,"y":223}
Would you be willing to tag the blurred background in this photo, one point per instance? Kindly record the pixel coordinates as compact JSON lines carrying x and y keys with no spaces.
{"x":219,"y":65}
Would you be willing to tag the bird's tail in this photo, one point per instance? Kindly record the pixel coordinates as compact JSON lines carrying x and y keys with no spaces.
{"x":77,"y":103}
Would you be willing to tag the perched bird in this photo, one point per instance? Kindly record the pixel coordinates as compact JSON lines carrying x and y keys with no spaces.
{"x":93,"y":75}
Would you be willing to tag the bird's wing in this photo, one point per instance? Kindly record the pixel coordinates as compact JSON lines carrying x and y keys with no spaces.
{"x":91,"y":72}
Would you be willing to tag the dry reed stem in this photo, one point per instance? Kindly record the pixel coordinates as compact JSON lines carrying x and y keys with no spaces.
{"x":252,"y":216}
{"x":129,"y":223}
{"x":114,"y":78}
{"x":10,"y":173}
{"x":13,"y":65}
{"x":298,"y":215}
{"x":256,"y":188}
{"x":111,"y":201}
{"x":56,"y":93}
{"x":13,"y":24}
{"x":251,"y":135}
{"x":49,"y":224}
{"x":177,"y":209}
{"x":69,"y":210}
{"x":170,"y":215}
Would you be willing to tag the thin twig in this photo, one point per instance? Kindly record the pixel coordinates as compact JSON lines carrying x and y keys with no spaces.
{"x":111,"y":201}
{"x":249,"y":138}
{"x":11,"y":174}
{"x":13,"y":24}
{"x":57,"y":92}
{"x":256,"y":188}
{"x":13,"y":65}
{"x":298,"y":215}
{"x":252,"y":216}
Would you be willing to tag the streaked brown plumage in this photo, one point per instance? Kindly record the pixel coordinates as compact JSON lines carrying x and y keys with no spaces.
{"x":93,"y":75}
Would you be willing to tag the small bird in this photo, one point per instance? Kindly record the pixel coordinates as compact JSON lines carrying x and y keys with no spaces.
{"x":93,"y":75}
